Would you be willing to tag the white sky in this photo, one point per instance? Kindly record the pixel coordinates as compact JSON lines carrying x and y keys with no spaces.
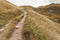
{"x":34,"y":3}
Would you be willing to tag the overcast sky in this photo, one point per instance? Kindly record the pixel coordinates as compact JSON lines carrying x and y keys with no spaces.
{"x":34,"y":3}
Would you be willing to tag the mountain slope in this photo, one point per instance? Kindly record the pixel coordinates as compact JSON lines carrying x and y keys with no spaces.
{"x":51,"y":11}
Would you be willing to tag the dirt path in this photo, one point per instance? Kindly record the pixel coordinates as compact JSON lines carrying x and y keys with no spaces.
{"x":17,"y":34}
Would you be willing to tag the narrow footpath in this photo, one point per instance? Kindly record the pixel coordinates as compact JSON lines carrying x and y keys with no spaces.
{"x":17,"y":34}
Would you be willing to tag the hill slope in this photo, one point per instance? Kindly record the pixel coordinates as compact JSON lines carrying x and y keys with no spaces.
{"x":8,"y":11}
{"x":51,"y":11}
{"x":39,"y":27}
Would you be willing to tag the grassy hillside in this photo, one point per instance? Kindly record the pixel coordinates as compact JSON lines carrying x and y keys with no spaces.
{"x":51,"y":11}
{"x":10,"y":15}
{"x":7,"y":12}
{"x":39,"y":27}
